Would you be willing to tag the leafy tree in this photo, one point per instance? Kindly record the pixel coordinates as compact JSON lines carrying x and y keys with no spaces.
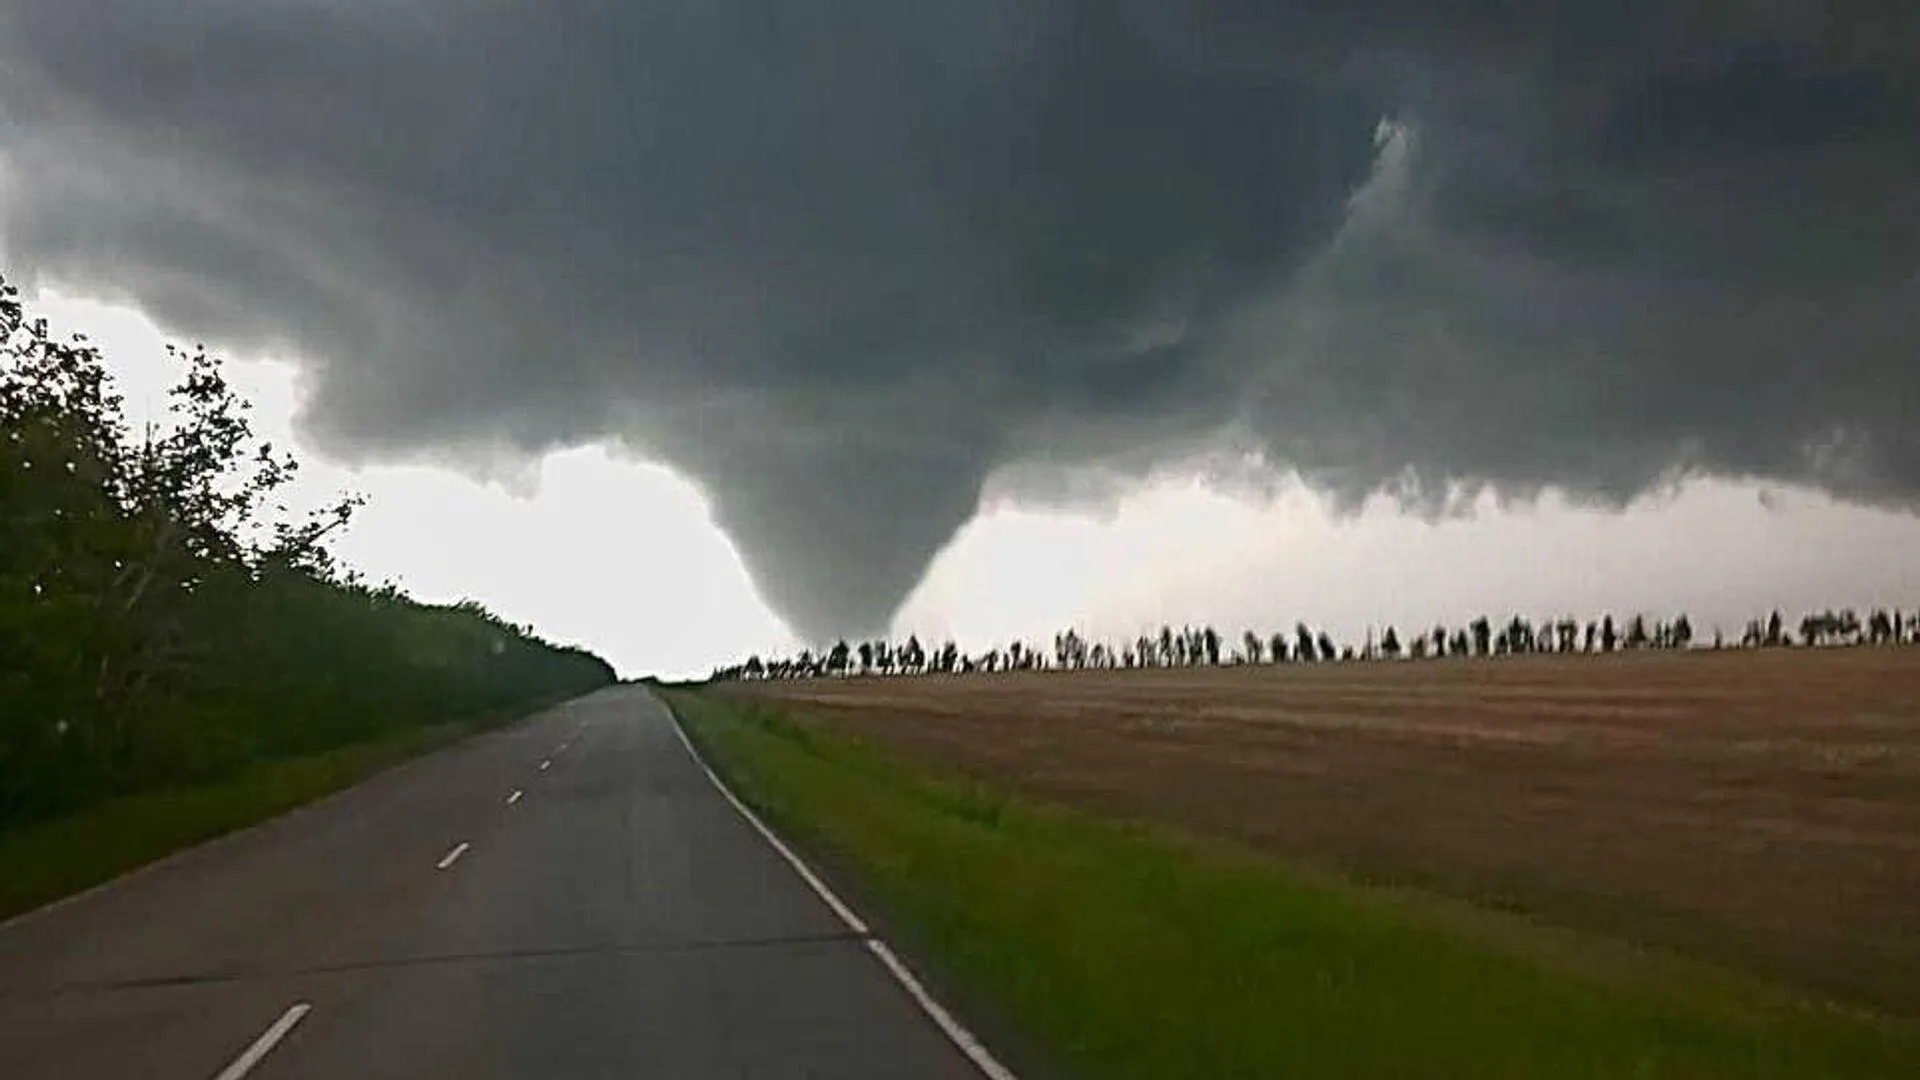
{"x":1305,"y":647}
{"x":162,"y":622}
{"x":1254,"y":647}
{"x":1277,"y":648}
{"x":1390,"y":644}
{"x":1482,"y":636}
{"x":1569,"y":633}
{"x":1609,"y":637}
{"x":1327,"y":650}
{"x":1519,"y":635}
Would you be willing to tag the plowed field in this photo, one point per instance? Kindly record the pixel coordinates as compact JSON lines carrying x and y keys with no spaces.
{"x":1758,"y":808}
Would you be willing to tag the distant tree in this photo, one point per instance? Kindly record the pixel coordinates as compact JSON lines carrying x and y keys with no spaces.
{"x":1776,"y":633}
{"x":1390,"y":644}
{"x":837,"y":658}
{"x":755,"y":667}
{"x":1421,"y":643}
{"x":1482,"y":636}
{"x":1439,"y":641}
{"x":1327,"y":651}
{"x":1637,"y":633}
{"x":1166,"y":646}
{"x":913,"y":657}
{"x":866,"y":657}
{"x":1460,"y":644}
{"x":1250,"y":641}
{"x":1593,"y":631}
{"x":1304,"y":648}
{"x":1609,"y":637}
{"x":1210,"y":645}
{"x":1277,"y":648}
{"x":1519,"y":635}
{"x":1682,"y":632}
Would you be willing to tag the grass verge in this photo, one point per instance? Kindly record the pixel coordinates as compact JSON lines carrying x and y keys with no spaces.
{"x":1123,"y":951}
{"x":48,"y":860}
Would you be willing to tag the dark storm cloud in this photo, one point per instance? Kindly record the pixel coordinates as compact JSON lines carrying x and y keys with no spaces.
{"x":841,"y":262}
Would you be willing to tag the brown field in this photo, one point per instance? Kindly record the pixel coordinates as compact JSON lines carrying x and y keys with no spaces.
{"x":1757,"y":808}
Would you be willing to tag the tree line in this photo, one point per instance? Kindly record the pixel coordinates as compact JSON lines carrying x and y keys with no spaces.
{"x":1205,"y":647}
{"x":164,"y":620}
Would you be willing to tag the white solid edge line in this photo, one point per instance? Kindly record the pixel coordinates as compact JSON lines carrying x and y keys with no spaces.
{"x":452,"y":856}
{"x":515,"y":797}
{"x":264,"y":1045}
{"x":965,"y":1041}
{"x":545,"y":765}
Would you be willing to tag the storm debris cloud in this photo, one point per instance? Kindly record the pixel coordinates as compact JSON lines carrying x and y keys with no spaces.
{"x":841,"y":263}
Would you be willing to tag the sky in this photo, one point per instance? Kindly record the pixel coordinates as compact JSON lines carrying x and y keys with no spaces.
{"x":686,"y":330}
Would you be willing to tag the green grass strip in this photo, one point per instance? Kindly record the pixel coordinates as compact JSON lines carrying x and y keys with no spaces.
{"x":1122,"y":951}
{"x":46,"y":861}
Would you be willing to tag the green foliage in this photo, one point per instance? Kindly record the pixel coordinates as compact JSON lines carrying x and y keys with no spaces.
{"x":50,"y":859}
{"x":161,"y":623}
{"x":1125,"y":952}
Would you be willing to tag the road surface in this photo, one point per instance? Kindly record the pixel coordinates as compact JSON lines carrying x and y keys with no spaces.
{"x":567,"y":898}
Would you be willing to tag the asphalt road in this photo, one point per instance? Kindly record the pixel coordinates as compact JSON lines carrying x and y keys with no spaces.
{"x":616,"y":918}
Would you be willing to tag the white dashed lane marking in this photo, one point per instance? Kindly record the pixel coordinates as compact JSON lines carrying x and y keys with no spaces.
{"x":264,"y":1045}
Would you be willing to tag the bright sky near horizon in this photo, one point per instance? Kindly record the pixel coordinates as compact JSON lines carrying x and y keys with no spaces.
{"x":623,"y":556}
